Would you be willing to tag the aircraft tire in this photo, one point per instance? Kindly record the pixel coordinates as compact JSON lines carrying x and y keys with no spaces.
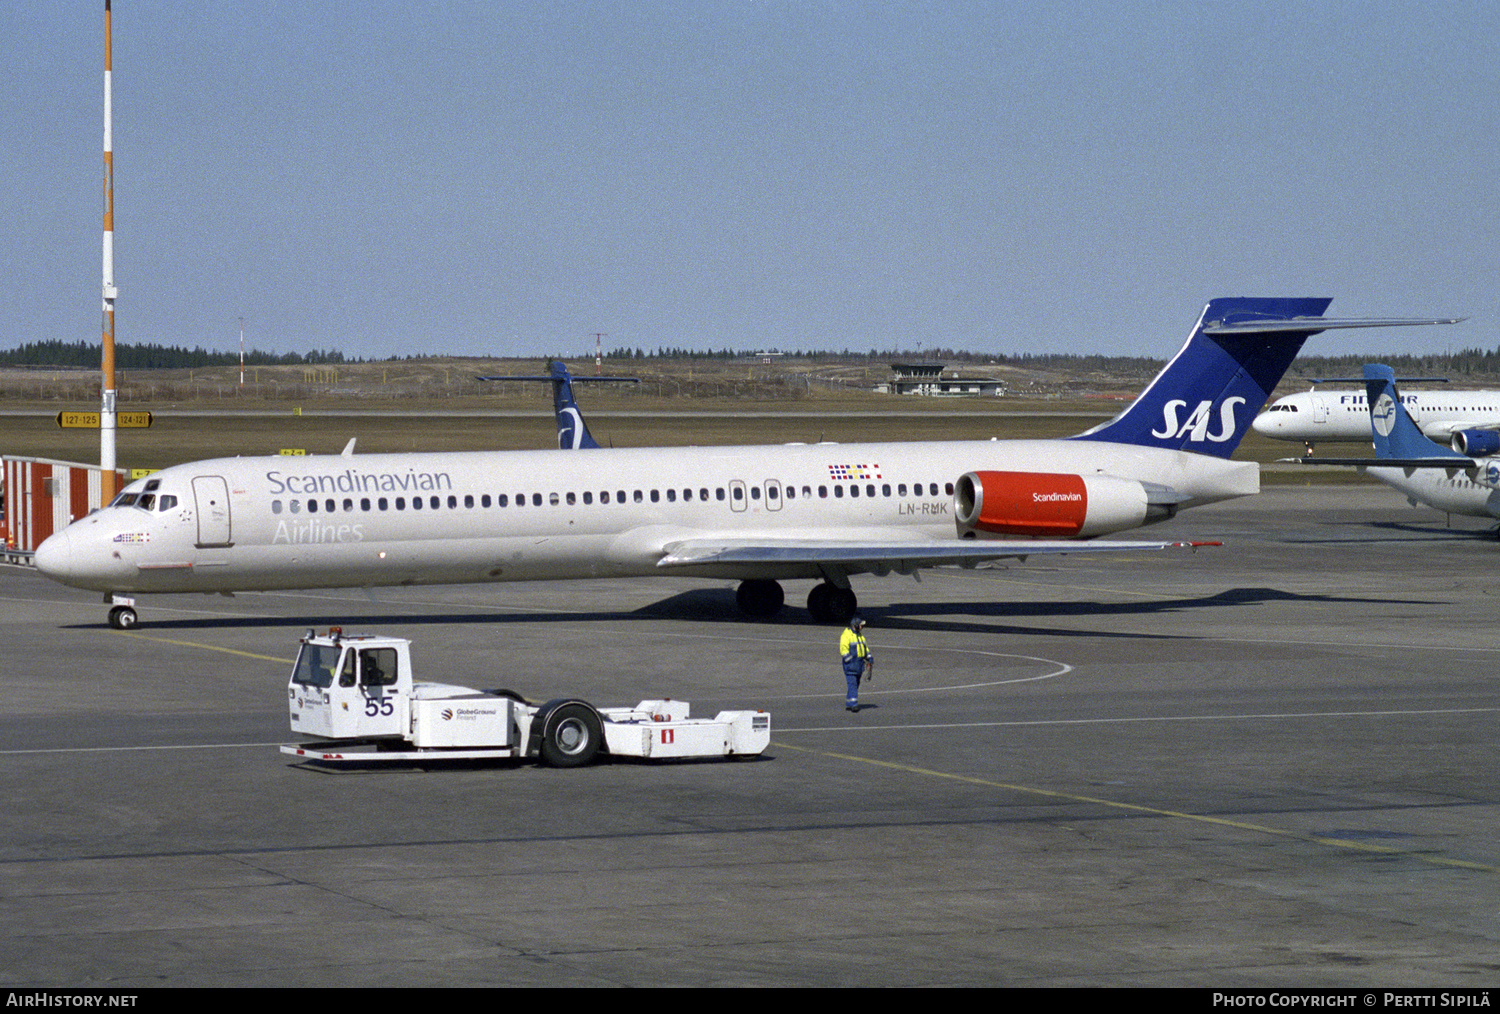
{"x":123,"y":618}
{"x":842,"y":605}
{"x":818,"y":602}
{"x":572,"y":736}
{"x":760,"y":597}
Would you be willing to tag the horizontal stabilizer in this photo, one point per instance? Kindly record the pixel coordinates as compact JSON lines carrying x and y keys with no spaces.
{"x":1459,"y":462}
{"x":1299,"y":325}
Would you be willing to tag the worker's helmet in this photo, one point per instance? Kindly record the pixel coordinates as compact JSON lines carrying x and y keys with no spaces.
{"x":856,"y":621}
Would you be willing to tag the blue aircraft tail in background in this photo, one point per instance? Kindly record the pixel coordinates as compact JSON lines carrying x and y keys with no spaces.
{"x":572,"y":432}
{"x":1396,"y":435}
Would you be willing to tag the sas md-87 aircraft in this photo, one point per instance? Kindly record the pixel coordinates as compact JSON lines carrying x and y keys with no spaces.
{"x":759,"y":514}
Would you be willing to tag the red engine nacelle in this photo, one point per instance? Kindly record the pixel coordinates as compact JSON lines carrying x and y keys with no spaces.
{"x":1050,"y":504}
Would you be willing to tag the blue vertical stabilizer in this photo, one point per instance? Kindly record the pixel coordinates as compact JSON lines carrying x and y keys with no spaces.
{"x":1395,"y":433}
{"x":1205,"y":399}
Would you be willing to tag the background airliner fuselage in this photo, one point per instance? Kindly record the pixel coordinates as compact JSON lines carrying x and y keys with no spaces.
{"x":1343,"y":416}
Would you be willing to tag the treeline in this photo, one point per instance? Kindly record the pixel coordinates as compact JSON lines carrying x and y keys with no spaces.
{"x":85,"y":354}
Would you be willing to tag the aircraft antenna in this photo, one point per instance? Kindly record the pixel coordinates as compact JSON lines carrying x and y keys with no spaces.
{"x":107,"y":362}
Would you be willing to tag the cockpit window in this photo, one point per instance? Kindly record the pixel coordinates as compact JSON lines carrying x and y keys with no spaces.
{"x":315,"y":664}
{"x":146,"y":502}
{"x":167,"y":502}
{"x":125,"y":500}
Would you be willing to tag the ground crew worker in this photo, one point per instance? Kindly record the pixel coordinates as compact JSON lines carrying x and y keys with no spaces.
{"x":855,"y":654}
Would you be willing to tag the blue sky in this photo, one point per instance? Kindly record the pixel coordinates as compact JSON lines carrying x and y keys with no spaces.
{"x":509,"y":178}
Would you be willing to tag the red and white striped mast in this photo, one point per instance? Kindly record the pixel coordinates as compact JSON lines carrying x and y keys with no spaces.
{"x":107,"y":365}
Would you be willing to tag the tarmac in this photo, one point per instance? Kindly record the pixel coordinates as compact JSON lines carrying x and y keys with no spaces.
{"x":1271,"y":764}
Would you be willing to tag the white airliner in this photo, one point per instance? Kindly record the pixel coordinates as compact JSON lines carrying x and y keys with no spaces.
{"x":1463,"y":478}
{"x":758,"y":514}
{"x":1325,"y":415}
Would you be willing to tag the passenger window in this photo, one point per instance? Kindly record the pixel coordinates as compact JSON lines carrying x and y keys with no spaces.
{"x":638,"y":497}
{"x":484,"y":501}
{"x":885,"y":490}
{"x":572,"y":499}
{"x":330,"y":506}
{"x":655,"y":496}
{"x":755,"y":492}
{"x":502,"y":500}
{"x":737,"y":493}
{"x":453,"y":502}
{"x":536,"y":499}
{"x":364,"y":503}
{"x":275,"y":506}
{"x":588,"y":496}
{"x":719,"y":493}
{"x":553,"y":499}
{"x":469,"y":500}
{"x":401,"y":503}
{"x":349,"y":505}
{"x":703,"y":494}
{"x":381,"y":503}
{"x":435,"y":502}
{"x":838,"y":492}
{"x":853,"y":490}
{"x":823,"y":492}
{"x":416,"y":503}
{"x":604,"y":496}
{"x":295,"y":506}
{"x":671,"y":496}
{"x":870,"y":489}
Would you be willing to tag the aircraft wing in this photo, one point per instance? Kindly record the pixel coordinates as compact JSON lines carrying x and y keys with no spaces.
{"x":1446,"y":428}
{"x":901,"y":557}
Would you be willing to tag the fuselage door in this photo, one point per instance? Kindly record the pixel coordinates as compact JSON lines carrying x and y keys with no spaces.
{"x":211,"y":493}
{"x":1319,"y":408}
{"x":737,"y":498}
{"x":773,"y":494}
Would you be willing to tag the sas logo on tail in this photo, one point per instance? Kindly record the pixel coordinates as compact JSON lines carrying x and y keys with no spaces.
{"x":1195,"y":426}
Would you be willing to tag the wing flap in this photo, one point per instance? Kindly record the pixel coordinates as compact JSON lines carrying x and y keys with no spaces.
{"x":899,"y":556}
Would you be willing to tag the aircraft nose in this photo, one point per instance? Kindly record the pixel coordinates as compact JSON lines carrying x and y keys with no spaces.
{"x":1264,"y":424}
{"x":54,"y":557}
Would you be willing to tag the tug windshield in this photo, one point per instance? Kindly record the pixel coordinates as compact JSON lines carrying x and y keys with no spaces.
{"x":315,"y":665}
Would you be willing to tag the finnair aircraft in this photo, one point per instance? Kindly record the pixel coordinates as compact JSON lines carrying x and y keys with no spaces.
{"x":1461,"y":479}
{"x":1320,"y":415}
{"x":759,"y":514}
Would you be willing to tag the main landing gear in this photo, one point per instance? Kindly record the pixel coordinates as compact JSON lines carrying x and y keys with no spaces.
{"x":828,"y":603}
